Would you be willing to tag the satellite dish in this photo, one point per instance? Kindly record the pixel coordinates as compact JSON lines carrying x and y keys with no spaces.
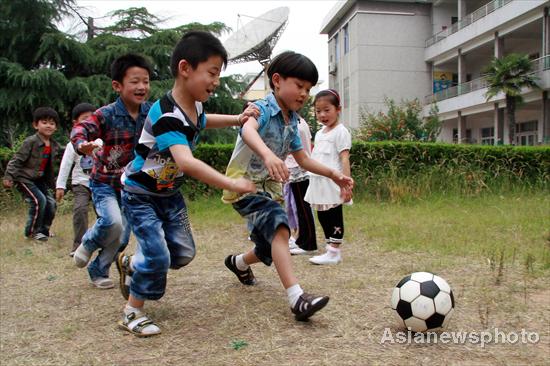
{"x":256,"y":39}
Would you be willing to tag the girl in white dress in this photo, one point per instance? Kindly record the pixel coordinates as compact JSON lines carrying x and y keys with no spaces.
{"x":331,"y":148}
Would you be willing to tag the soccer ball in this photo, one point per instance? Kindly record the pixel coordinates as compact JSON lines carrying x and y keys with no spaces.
{"x":423,"y":301}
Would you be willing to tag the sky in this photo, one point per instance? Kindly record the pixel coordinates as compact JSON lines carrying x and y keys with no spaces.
{"x":301,"y":34}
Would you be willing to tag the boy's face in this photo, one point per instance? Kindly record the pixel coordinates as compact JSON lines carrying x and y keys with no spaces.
{"x":134,"y":88}
{"x":45,"y":126}
{"x":203,"y":80}
{"x":291,"y":92}
{"x":82,"y":117}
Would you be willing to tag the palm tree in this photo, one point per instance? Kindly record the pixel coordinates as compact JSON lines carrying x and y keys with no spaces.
{"x":509,"y":75}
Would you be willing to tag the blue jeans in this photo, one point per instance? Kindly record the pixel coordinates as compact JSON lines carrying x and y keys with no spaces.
{"x":164,"y":240}
{"x":108,"y":232}
{"x":41,"y":207}
{"x":264,"y":217}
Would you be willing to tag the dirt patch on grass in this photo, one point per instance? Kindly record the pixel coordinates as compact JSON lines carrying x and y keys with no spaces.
{"x":50,"y":315}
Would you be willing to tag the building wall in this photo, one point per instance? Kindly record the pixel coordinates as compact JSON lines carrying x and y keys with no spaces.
{"x":385,"y":58}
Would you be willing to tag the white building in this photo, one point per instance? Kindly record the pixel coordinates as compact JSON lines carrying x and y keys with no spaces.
{"x":436,"y":50}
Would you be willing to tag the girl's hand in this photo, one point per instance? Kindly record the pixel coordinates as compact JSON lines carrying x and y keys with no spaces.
{"x":242,"y":185}
{"x":346,"y":195}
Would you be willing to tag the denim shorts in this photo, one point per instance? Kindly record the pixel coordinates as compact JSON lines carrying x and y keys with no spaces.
{"x":264,"y":217}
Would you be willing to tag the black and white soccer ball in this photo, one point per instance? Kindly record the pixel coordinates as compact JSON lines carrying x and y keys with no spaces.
{"x":423,"y":301}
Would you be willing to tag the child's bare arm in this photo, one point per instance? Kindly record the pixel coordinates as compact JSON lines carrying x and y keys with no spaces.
{"x":344,"y":159}
{"x":275,"y":166}
{"x":227,"y":120}
{"x":198,"y":169}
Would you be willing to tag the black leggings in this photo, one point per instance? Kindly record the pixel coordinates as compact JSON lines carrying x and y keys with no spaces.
{"x":332,"y":222}
{"x":306,"y":223}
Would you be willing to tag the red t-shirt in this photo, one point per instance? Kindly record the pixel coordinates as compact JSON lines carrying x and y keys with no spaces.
{"x":45,"y":157}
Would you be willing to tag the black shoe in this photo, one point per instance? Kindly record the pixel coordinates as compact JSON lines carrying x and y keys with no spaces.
{"x":246,"y":277}
{"x":307,"y":305}
{"x":125,"y":274}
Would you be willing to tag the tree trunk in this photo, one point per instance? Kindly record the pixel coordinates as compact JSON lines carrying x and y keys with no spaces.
{"x":511,"y":116}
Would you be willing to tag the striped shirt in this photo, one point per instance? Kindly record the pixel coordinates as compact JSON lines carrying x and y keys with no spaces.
{"x":154,"y":171}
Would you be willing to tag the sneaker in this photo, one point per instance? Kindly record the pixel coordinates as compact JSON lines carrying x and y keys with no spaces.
{"x":300,"y":251}
{"x":81,"y":256}
{"x":327,"y":258}
{"x":307,"y":305}
{"x":103,"y":283}
{"x":40,"y":237}
{"x":125,"y":274}
{"x":139,"y":324}
{"x":292,"y":243}
{"x":245,"y":277}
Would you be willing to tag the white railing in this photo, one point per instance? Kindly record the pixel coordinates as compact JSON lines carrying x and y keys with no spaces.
{"x":539,"y":64}
{"x":467,"y":20}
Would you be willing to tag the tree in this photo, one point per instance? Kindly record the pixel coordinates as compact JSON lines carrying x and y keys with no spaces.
{"x":509,"y":75}
{"x":401,"y":122}
{"x":43,"y":66}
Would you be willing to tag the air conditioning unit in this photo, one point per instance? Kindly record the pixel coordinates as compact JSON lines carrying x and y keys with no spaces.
{"x":332,"y":68}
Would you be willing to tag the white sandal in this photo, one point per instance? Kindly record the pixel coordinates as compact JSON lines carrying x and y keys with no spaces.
{"x":139,"y":325}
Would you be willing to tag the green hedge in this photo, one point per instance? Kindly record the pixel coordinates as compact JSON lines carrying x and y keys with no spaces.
{"x":399,"y":170}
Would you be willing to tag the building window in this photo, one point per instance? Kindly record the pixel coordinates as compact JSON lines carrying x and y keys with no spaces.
{"x":527,"y":133}
{"x":488,"y":136}
{"x":336,"y":48}
{"x":468,"y":139}
{"x":346,"y":39}
{"x":346,"y":93}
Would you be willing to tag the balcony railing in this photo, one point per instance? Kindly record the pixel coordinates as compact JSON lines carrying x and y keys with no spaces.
{"x":467,"y":20}
{"x":539,"y":64}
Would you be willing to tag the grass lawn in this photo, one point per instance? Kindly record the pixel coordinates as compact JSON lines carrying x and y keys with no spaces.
{"x":493,"y":250}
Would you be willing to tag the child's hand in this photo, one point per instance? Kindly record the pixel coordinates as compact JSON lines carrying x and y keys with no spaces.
{"x":7,"y":183}
{"x":343,"y":181}
{"x":87,"y":148}
{"x":251,"y":110}
{"x":59,"y":194}
{"x":277,"y":168}
{"x":242,"y":185}
{"x":346,"y":194}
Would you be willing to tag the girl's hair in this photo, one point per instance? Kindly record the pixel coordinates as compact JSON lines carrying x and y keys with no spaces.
{"x":332,"y":96}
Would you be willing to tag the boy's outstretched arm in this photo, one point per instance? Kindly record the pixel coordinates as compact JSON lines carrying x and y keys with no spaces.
{"x":276,"y":167}
{"x":198,"y":169}
{"x":227,"y":120}
{"x":345,"y":182}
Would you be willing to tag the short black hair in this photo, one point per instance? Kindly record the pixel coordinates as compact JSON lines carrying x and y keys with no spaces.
{"x":122,"y":63}
{"x":196,"y":47}
{"x":292,"y":64}
{"x":45,"y":113}
{"x":82,"y":108}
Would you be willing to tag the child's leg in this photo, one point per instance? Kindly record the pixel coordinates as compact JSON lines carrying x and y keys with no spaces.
{"x":281,"y":257}
{"x":332,"y":222}
{"x":37,"y":203}
{"x":49,"y":210}
{"x":306,"y":239}
{"x":80,"y":213}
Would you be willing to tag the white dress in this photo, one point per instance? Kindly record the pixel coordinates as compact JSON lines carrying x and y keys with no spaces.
{"x":322,"y":193}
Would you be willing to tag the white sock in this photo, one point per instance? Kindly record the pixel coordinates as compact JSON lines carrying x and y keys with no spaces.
{"x":130,"y":309}
{"x":239,"y":262}
{"x":293,"y":293}
{"x":333,"y":251}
